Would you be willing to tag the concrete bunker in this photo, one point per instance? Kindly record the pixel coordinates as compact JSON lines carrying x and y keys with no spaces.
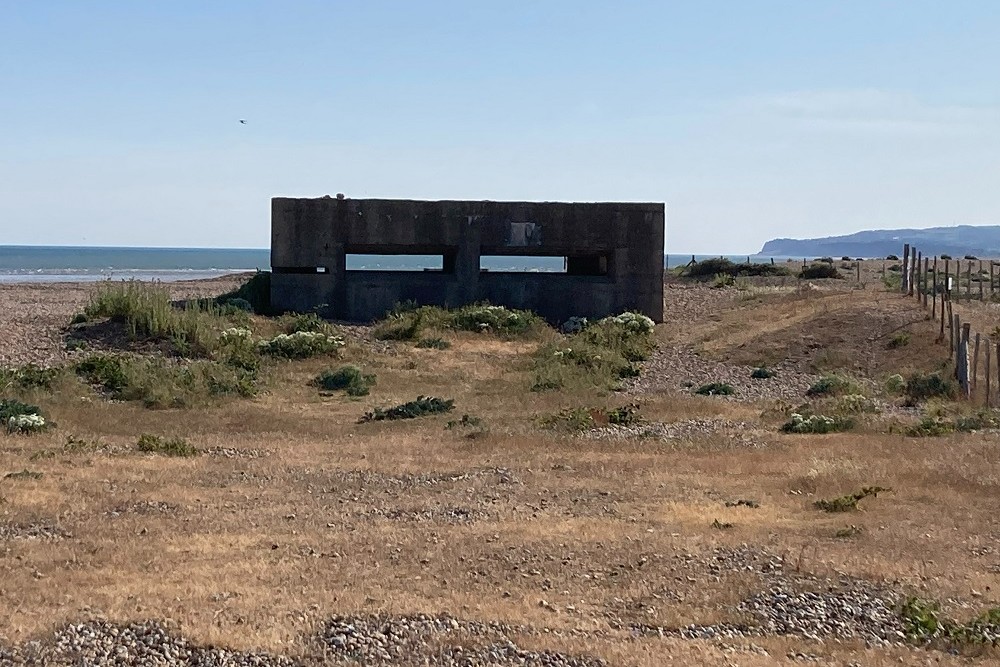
{"x":612,"y":256}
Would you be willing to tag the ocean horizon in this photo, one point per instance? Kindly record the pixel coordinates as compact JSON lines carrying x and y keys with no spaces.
{"x":41,"y":264}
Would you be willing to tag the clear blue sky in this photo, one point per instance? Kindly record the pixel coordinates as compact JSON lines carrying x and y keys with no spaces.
{"x":750,"y":119}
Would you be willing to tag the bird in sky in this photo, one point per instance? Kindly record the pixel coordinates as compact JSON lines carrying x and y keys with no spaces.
{"x":242,"y":122}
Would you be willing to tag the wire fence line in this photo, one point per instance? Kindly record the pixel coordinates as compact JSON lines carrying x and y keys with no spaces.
{"x":938,"y":284}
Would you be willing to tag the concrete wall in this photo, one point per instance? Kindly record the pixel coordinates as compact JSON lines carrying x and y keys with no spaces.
{"x":621,"y":242}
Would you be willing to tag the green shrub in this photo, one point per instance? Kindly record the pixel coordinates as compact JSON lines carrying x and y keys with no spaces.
{"x":598,"y":356}
{"x":943,"y":256}
{"x":301,"y":345}
{"x":980,"y":421}
{"x":762,"y":373}
{"x":920,"y":387}
{"x":895,"y":384}
{"x":570,"y":419}
{"x":154,"y":444}
{"x":930,"y":427}
{"x":422,"y":406}
{"x":892,"y":258}
{"x":972,"y":257}
{"x":715,"y":389}
{"x":433,"y":343}
{"x":347,"y":378}
{"x":849,"y":503}
{"x":237,"y":348}
{"x":898,"y":341}
{"x":799,"y":423}
{"x":818,"y":271}
{"x":256,"y":292}
{"x":825,"y":260}
{"x":30,"y":376}
{"x":723,"y":280}
{"x":467,"y":421}
{"x":18,"y":417}
{"x":856,"y":404}
{"x":148,"y":313}
{"x":708,"y":269}
{"x":483,"y":317}
{"x":833,"y":385}
{"x":160,"y":383}
{"x":923,"y":622}
{"x":626,"y":415}
{"x":400,"y":326}
{"x":310,"y":322}
{"x":79,"y":318}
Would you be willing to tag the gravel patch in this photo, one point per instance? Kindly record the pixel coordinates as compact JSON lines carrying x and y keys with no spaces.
{"x":441,"y":514}
{"x":369,"y":478}
{"x":737,"y":434}
{"x":680,"y":369}
{"x":143,"y":508}
{"x":237,"y":453}
{"x":442,"y":640}
{"x":141,"y":643}
{"x":31,"y":531}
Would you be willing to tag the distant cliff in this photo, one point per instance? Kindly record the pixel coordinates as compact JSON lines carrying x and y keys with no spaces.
{"x":955,"y":241}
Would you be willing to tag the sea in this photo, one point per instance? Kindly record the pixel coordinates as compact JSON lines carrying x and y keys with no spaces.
{"x":50,"y":264}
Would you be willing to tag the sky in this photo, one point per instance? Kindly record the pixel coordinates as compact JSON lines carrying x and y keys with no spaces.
{"x":750,"y":119}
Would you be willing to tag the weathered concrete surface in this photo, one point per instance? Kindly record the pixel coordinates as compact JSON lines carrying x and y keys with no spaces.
{"x":614,"y":251}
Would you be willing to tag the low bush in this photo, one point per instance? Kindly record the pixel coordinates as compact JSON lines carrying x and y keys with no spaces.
{"x":584,"y":419}
{"x":715,"y":389}
{"x":920,"y":387}
{"x":930,"y":427}
{"x":30,"y":376}
{"x":21,"y":418}
{"x":422,"y":406}
{"x":856,"y":404}
{"x":433,"y":344}
{"x":301,"y":345}
{"x":820,"y":424}
{"x":819,"y":271}
{"x":708,"y":269}
{"x":892,"y":258}
{"x":723,"y":280}
{"x":762,"y":373}
{"x":483,"y":317}
{"x":154,"y":444}
{"x":849,"y":503}
{"x":972,"y":257}
{"x":833,"y":385}
{"x":943,"y":256}
{"x":347,"y":378}
{"x":310,"y":322}
{"x":161,"y":383}
{"x":600,"y":355}
{"x":899,"y":340}
{"x":825,"y":260}
{"x":895,"y":384}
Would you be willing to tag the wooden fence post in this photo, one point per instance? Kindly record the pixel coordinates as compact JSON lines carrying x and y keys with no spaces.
{"x":968,"y":281}
{"x":906,"y":266}
{"x":857,"y":266}
{"x":927,"y":272}
{"x":980,"y":276}
{"x":914,"y":263}
{"x":975,"y":362}
{"x":989,"y":372}
{"x":934,"y":292}
{"x":956,"y":338}
{"x":963,"y":355}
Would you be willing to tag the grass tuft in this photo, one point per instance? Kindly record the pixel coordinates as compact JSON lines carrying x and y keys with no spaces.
{"x":422,"y":406}
{"x":154,"y":444}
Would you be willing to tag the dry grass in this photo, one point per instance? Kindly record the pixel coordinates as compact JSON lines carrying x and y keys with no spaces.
{"x":330,"y":516}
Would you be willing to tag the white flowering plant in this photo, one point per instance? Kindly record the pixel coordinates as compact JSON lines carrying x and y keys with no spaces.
{"x":799,"y":423}
{"x":635,"y":323}
{"x":301,"y":345}
{"x":484,"y":317}
{"x":26,"y":424}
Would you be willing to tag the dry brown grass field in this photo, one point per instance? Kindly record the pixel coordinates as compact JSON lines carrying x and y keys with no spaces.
{"x":626,"y":545}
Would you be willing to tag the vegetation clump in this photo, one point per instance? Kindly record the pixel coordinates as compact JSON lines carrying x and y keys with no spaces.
{"x":154,"y":444}
{"x":923,"y":622}
{"x":709,"y":269}
{"x":849,"y":503}
{"x":930,"y":427}
{"x":422,"y":406}
{"x":600,"y":355}
{"x":854,"y":404}
{"x":899,"y":340}
{"x":30,"y":376}
{"x":350,"y":379}
{"x":819,"y":424}
{"x":584,"y":419}
{"x":920,"y":387}
{"x":301,"y":345}
{"x":160,"y":383}
{"x":819,"y":271}
{"x":762,"y":373}
{"x":715,"y":389}
{"x":433,"y":343}
{"x":833,"y":385}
